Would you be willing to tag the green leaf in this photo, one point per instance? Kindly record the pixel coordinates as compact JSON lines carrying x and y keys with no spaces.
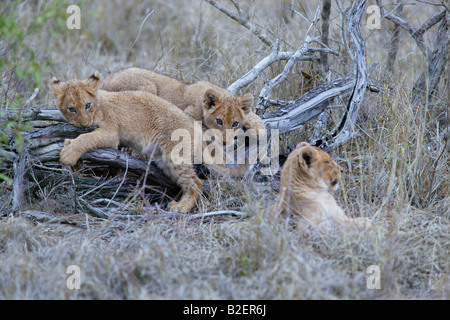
{"x":5,"y":178}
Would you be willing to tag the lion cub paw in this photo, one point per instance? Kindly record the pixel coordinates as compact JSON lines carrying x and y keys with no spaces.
{"x":175,"y":206}
{"x":69,"y":156}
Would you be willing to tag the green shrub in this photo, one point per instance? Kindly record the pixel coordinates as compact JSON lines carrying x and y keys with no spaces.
{"x":20,"y":69}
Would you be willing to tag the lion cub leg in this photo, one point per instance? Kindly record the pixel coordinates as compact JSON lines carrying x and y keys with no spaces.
{"x":75,"y":148}
{"x":191,"y":185}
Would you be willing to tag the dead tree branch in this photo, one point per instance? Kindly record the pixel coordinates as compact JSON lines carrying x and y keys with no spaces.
{"x":428,"y":81}
{"x":418,"y":37}
{"x":270,"y":85}
{"x":416,"y":34}
{"x":267,"y":89}
{"x":346,"y":130}
{"x":293,"y":115}
{"x":38,"y":114}
{"x":437,"y":58}
{"x":394,"y":40}
{"x":19,"y":181}
{"x":38,"y":162}
{"x":241,"y":19}
{"x":274,"y":56}
{"x":326,"y":10}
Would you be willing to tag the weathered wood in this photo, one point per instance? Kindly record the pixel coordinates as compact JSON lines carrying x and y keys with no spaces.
{"x":394,"y":39}
{"x":428,"y":81}
{"x":241,"y":19}
{"x":122,"y":160}
{"x":30,"y":114}
{"x":320,"y":127}
{"x":274,"y":56}
{"x":271,"y":84}
{"x":19,"y":181}
{"x":326,"y":10}
{"x":293,"y":115}
{"x":90,"y":187}
{"x":436,"y":57}
{"x":267,"y":89}
{"x":40,"y":165}
{"x":346,"y":131}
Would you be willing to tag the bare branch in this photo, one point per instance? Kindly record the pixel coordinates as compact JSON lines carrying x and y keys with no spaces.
{"x":342,"y":14}
{"x":37,"y":114}
{"x":95,"y":211}
{"x":394,"y":41}
{"x":140,"y":28}
{"x":218,"y":213}
{"x":243,"y":21}
{"x":238,"y":7}
{"x":436,"y":59}
{"x":19,"y":181}
{"x":267,"y":89}
{"x":31,"y":98}
{"x":431,"y":22}
{"x":274,"y":56}
{"x":442,"y":4}
{"x":325,"y":31}
{"x":428,"y":81}
{"x":293,"y":115}
{"x":346,"y":129}
{"x":320,"y":127}
{"x":252,"y":75}
{"x":417,"y":36}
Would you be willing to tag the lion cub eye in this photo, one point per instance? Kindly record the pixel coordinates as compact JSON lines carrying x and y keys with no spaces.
{"x":235,"y":124}
{"x":73,"y":110}
{"x":88,"y":106}
{"x":219,"y":122}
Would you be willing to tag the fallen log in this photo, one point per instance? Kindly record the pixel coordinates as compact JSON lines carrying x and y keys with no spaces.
{"x":106,"y":173}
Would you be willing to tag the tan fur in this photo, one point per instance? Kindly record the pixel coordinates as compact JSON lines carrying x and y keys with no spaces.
{"x":308,"y":176}
{"x":215,"y":107}
{"x":136,"y":119}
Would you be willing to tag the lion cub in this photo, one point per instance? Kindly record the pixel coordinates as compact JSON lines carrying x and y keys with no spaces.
{"x":215,"y":107}
{"x":308,"y":176}
{"x":137,"y":119}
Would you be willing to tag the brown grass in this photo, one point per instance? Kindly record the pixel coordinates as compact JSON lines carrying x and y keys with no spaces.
{"x":396,"y":173}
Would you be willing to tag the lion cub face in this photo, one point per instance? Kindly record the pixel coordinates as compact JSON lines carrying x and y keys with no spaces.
{"x":77,"y":99}
{"x":316,"y":167}
{"x":226,"y":112}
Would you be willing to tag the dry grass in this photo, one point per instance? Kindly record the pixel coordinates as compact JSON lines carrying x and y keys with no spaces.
{"x":396,"y":173}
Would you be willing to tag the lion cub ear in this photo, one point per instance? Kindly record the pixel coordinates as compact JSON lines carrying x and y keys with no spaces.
{"x":93,"y":81}
{"x":247,"y":102}
{"x":302,"y":144}
{"x":58,"y":87}
{"x":306,"y":158}
{"x":210,"y":99}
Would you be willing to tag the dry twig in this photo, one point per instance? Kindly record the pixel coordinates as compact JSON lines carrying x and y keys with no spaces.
{"x":242,"y":20}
